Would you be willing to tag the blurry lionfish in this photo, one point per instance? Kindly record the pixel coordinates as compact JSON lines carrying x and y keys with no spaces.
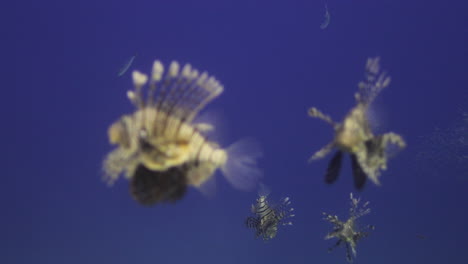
{"x":348,"y":232}
{"x":369,"y":152}
{"x":160,"y":147}
{"x":268,"y":216}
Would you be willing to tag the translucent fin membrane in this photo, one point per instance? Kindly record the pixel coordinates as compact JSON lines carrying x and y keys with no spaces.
{"x":241,"y":168}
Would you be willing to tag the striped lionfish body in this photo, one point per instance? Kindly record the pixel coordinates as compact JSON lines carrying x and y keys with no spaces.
{"x":348,"y":232}
{"x":160,"y":147}
{"x":268,"y":217}
{"x":354,"y":135}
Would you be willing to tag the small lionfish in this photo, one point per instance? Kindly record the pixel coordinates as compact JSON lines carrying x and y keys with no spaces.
{"x":348,"y":232}
{"x":369,"y":153}
{"x":162,"y":150}
{"x":267,"y":216}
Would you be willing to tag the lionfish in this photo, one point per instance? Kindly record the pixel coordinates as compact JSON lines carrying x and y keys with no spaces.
{"x":268,"y":216}
{"x":348,"y":232}
{"x":369,"y":153}
{"x":162,"y":150}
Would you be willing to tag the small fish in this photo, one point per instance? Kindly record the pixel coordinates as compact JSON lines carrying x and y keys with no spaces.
{"x":126,"y":66}
{"x":348,"y":232}
{"x":267,"y":217}
{"x":369,"y":153}
{"x":420,"y":236}
{"x":160,"y":147}
{"x":326,"y":20}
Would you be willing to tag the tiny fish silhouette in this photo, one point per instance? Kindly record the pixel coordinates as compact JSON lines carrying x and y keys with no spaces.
{"x":126,"y":66}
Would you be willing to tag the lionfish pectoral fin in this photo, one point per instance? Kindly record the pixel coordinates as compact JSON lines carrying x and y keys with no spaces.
{"x":241,"y":168}
{"x":349,"y":257}
{"x":200,"y":176}
{"x":353,"y":248}
{"x":358,"y":174}
{"x":322,"y":152}
{"x":333,"y":170}
{"x":251,"y":222}
{"x":337,"y":244}
{"x":331,"y":235}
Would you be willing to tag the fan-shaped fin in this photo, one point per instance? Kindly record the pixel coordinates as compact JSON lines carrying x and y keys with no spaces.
{"x":181,"y":93}
{"x":333,"y":170}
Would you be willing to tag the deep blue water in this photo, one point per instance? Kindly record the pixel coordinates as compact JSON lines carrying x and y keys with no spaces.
{"x":60,"y":93}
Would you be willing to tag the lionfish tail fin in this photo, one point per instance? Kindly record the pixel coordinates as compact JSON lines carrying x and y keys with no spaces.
{"x":241,"y":168}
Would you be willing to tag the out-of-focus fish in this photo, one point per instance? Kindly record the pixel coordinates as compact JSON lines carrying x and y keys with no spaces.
{"x":369,"y":152}
{"x":160,"y":147}
{"x":267,"y":217}
{"x":348,"y":232}
{"x":126,"y":66}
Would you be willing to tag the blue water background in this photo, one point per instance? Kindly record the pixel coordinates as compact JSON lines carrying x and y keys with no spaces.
{"x":60,"y":92}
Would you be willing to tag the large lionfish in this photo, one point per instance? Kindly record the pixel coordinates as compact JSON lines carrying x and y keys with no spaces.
{"x":268,"y":216}
{"x":160,"y":147}
{"x":369,"y":152}
{"x":348,"y":232}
